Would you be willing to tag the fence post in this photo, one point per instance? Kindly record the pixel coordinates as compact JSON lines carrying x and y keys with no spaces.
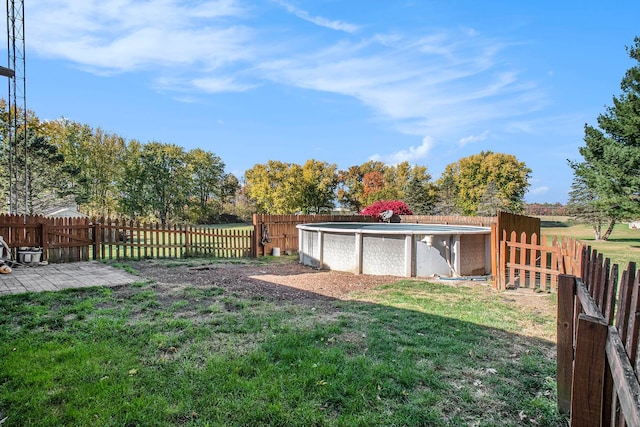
{"x":588,"y":377}
{"x":187,"y":239}
{"x":495,"y":244}
{"x":44,"y":233}
{"x":97,"y":235}
{"x":502,"y":265}
{"x":564,"y":331}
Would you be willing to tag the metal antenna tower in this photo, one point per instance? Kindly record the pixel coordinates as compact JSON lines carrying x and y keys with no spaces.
{"x":17,"y":103}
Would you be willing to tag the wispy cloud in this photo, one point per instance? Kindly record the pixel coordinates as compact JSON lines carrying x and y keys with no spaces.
{"x":443,"y":84}
{"x":319,"y":20}
{"x":473,"y":138}
{"x":411,"y":154}
{"x":115,"y":36}
{"x":539,"y":191}
{"x":425,"y":91}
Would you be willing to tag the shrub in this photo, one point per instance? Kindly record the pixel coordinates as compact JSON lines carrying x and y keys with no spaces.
{"x":397,"y":206}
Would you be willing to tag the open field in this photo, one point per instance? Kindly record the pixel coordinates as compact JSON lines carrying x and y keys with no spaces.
{"x":205,"y":343}
{"x":622,"y":247}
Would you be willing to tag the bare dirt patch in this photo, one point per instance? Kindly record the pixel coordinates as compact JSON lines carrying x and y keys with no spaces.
{"x":290,"y":281}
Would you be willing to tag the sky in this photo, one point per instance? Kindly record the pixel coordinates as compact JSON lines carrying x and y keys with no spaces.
{"x":341,"y":81}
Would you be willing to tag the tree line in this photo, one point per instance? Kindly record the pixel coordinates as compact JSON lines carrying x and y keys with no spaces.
{"x":480,"y":184}
{"x":104,"y":174}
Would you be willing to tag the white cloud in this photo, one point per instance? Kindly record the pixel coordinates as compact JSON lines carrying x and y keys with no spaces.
{"x":118,"y":36}
{"x":539,"y":190}
{"x":215,"y":85}
{"x":411,"y":155}
{"x":437,"y":83}
{"x":473,"y":138}
{"x":318,"y":20}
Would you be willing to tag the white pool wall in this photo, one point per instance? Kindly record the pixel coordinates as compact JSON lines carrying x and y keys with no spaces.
{"x":396,"y":249}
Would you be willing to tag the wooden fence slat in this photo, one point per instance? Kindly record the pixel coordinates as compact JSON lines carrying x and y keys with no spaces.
{"x":564,"y":331}
{"x":627,"y":387}
{"x":586,"y":396}
{"x":633,"y":328}
{"x":522,"y":274}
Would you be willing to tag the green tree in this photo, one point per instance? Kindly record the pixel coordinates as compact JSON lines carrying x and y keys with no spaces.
{"x":167,"y":179}
{"x":207,"y":177}
{"x":133,"y":199}
{"x":607,"y":181}
{"x":73,"y":141}
{"x":93,"y":163}
{"x":39,"y":185}
{"x":276,"y":187}
{"x":372,"y":181}
{"x":420,"y":195}
{"x":155,"y":182}
{"x":320,"y":180}
{"x":491,"y":201}
{"x":350,"y":193}
{"x":472,"y":175}
{"x":32,"y":165}
{"x":584,"y":204}
{"x":230,"y":187}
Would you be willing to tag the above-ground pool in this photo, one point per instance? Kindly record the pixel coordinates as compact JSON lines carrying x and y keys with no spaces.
{"x":411,"y":250}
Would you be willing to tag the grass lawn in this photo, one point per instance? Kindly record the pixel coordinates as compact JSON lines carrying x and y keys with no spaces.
{"x":623,"y":245}
{"x":410,"y":353}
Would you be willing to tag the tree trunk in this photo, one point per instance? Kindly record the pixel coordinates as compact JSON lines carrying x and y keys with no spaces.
{"x":607,"y":233}
{"x":597,"y":228}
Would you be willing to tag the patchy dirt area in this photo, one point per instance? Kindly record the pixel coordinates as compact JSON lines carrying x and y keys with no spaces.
{"x":287,"y":280}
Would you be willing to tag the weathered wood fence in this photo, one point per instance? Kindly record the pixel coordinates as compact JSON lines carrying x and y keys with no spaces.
{"x":598,"y":336}
{"x":279,"y":231}
{"x":526,"y":262}
{"x":117,"y":239}
{"x":81,"y":239}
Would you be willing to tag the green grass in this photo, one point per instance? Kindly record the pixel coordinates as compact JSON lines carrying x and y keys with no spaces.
{"x":410,"y":353}
{"x":623,"y":245}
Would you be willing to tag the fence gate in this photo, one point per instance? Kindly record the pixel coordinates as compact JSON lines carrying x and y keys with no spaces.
{"x":67,"y":239}
{"x":526,"y":262}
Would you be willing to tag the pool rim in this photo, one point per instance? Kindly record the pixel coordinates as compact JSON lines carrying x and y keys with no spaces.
{"x":401,"y":228}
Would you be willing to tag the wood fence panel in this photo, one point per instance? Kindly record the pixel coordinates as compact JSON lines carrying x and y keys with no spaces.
{"x":279,"y":231}
{"x":76,"y":239}
{"x":604,"y":381}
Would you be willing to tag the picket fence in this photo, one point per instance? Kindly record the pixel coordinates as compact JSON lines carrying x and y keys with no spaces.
{"x":81,"y":239}
{"x":527,"y":262}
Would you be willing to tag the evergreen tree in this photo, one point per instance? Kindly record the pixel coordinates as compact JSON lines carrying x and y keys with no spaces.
{"x":610,"y":172}
{"x":420,"y":196}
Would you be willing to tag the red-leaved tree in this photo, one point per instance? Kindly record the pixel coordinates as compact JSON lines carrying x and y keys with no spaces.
{"x":397,"y":206}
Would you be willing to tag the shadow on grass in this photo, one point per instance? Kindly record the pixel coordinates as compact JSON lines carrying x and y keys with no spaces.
{"x":260,"y":353}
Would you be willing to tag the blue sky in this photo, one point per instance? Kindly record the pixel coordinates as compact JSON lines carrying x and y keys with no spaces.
{"x":342,"y":81}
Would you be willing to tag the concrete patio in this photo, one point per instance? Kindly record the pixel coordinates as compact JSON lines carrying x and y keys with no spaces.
{"x":55,"y":277}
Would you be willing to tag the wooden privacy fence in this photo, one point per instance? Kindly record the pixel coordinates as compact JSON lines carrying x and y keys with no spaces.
{"x":598,"y":336}
{"x":279,"y":231}
{"x":61,"y":239}
{"x":81,"y":239}
{"x":480,"y":221}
